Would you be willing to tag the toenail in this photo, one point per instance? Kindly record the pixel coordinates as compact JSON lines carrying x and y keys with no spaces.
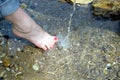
{"x":55,"y":38}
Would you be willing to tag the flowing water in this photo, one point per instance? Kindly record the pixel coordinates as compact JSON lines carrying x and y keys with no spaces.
{"x":71,"y":16}
{"x":65,"y":42}
{"x":88,"y":47}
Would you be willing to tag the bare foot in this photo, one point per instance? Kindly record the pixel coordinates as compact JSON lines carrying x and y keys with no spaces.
{"x":37,"y":36}
{"x":26,"y":28}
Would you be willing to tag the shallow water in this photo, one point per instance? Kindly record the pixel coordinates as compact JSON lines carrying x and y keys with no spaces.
{"x":92,"y":51}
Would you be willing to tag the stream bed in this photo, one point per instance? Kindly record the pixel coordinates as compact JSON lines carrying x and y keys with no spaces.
{"x":91,"y":52}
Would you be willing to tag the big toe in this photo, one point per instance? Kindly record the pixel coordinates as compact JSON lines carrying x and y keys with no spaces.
{"x":55,"y":39}
{"x":51,"y":42}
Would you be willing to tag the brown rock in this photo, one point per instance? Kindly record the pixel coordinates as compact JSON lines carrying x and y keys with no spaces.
{"x":107,"y":8}
{"x":6,"y":62}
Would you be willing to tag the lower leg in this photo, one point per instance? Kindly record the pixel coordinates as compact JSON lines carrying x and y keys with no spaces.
{"x":26,"y":28}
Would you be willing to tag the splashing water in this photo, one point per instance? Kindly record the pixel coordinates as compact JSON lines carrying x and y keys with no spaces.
{"x":70,"y":21}
{"x":65,"y":41}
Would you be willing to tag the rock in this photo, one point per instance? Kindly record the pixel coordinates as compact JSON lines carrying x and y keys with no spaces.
{"x":23,"y":5}
{"x":109,"y":67}
{"x":18,"y":74}
{"x":61,"y":0}
{"x":6,"y":62}
{"x":36,"y":67}
{"x":105,"y":71}
{"x":107,"y":8}
{"x":82,"y":1}
{"x":77,"y":1}
{"x":1,"y":62}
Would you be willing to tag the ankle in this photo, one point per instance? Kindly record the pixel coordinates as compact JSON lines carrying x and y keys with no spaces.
{"x":23,"y":29}
{"x":22,"y":22}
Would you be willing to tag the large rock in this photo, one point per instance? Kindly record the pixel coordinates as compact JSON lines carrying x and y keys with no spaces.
{"x":77,"y":1}
{"x":82,"y":1}
{"x":107,"y":8}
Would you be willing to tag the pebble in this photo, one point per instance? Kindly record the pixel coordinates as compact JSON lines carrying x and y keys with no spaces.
{"x":91,"y":63}
{"x":19,"y":74}
{"x":36,"y":67}
{"x":105,"y":71}
{"x":8,"y":69}
{"x":109,"y":66}
{"x":1,"y":62}
{"x":18,"y":49}
{"x":6,"y":62}
{"x":23,"y":6}
{"x":20,"y":68}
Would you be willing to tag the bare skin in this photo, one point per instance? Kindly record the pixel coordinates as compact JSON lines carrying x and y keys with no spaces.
{"x":25,"y":27}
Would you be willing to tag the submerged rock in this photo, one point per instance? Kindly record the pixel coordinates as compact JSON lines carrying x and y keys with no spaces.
{"x":36,"y":67}
{"x":23,"y":5}
{"x":107,"y":8}
{"x":6,"y":62}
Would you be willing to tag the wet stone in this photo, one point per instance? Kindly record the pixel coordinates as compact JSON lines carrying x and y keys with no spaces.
{"x":107,"y":8}
{"x":36,"y":67}
{"x":23,"y":5}
{"x":109,"y":67}
{"x":6,"y":62}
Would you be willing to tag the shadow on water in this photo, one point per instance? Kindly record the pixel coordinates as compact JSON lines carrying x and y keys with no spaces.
{"x":82,"y":17}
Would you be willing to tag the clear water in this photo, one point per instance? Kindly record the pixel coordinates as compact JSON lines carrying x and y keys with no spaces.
{"x":90,"y":45}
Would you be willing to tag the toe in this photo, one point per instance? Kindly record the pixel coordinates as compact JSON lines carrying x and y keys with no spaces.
{"x":50,"y":44}
{"x":55,"y":38}
{"x":42,"y":46}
